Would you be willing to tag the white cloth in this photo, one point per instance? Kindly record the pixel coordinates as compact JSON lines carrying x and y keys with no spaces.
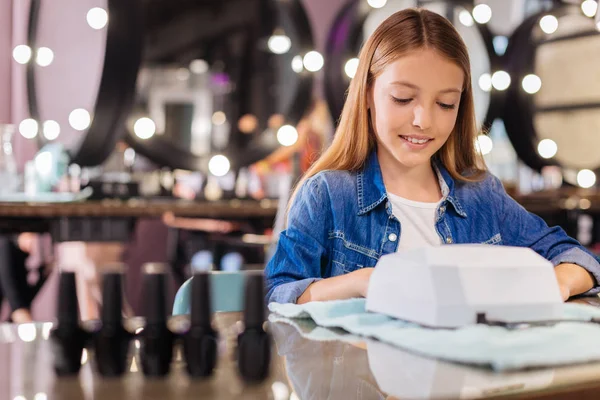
{"x":417,"y":222}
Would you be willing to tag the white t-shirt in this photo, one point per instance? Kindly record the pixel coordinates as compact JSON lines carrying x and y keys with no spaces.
{"x":417,"y":222}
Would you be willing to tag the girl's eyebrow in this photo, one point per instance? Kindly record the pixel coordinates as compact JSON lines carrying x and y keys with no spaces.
{"x":413,"y":86}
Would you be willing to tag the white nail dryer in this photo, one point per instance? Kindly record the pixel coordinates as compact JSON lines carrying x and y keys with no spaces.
{"x":455,"y":285}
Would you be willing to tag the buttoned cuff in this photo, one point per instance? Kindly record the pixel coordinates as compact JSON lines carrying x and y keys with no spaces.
{"x":289,"y":292}
{"x":584,"y":260}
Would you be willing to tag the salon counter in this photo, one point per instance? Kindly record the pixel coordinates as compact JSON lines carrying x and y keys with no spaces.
{"x":300,"y":369}
{"x":112,"y":220}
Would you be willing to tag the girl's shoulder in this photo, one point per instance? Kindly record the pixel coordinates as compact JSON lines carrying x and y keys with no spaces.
{"x":334,"y":181}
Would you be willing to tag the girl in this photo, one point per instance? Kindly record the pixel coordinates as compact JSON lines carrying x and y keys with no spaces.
{"x":403,"y":172}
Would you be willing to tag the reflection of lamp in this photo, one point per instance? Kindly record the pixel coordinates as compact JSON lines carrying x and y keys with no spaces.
{"x":500,"y":80}
{"x":313,"y":61}
{"x":80,"y":119}
{"x":549,"y":24}
{"x":28,"y":128}
{"x":219,"y":165}
{"x":51,"y":129}
{"x":350,"y":67}
{"x":44,"y":57}
{"x":97,"y":18}
{"x":589,"y":8}
{"x":22,"y":54}
{"x":547,"y":148}
{"x":531,"y":83}
{"x":377,"y":3}
{"x":279,"y":42}
{"x":144,"y":128}
{"x":482,"y":13}
{"x":407,"y":376}
{"x":287,"y":135}
{"x":586,"y":178}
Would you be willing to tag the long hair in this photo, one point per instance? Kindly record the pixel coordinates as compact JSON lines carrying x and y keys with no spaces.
{"x":404,"y":31}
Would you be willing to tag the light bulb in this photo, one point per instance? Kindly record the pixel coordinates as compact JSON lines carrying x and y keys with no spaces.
{"x":287,"y":135}
{"x":549,"y":24}
{"x":547,"y":148}
{"x":144,"y":128}
{"x":484,"y":144}
{"x":586,"y":178}
{"x":51,"y":129}
{"x":28,"y":128}
{"x":485,"y":82}
{"x":465,"y":18}
{"x":219,"y":165}
{"x":350,"y":67}
{"x":279,"y":43}
{"x":482,"y":13}
{"x":297,"y":65}
{"x":589,"y":8}
{"x":80,"y":119}
{"x":500,"y":80}
{"x":97,"y":18}
{"x":44,"y":57}
{"x":199,"y":66}
{"x":531,"y":83}
{"x":377,"y":3}
{"x":313,"y":61}
{"x":22,"y":54}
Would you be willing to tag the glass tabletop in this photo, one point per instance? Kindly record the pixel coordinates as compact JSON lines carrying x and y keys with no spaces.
{"x":300,"y":369}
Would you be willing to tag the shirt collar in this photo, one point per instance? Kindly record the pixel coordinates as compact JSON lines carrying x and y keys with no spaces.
{"x":371,"y":189}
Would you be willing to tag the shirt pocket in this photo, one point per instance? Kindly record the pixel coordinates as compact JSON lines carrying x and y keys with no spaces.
{"x":495,"y":240}
{"x":348,"y":260}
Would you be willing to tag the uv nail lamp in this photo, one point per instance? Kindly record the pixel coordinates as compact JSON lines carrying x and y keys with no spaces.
{"x":455,"y":285}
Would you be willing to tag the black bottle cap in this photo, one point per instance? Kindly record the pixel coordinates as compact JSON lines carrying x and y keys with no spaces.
{"x":254,"y":304}
{"x":156,"y":350}
{"x":154,"y":294}
{"x":200,"y":342}
{"x":67,"y":338}
{"x":201,"y":307}
{"x":111,"y":342}
{"x":112,"y":299}
{"x":68,"y":308}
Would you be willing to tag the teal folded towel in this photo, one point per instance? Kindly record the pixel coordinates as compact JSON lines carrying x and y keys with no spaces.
{"x":500,"y":348}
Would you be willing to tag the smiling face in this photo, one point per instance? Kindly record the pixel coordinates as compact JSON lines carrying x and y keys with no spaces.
{"x":413,"y":105}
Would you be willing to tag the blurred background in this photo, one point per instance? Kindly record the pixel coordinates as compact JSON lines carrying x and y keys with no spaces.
{"x":172,"y":131}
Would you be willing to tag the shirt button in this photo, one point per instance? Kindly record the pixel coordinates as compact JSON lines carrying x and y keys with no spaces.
{"x":449,"y":240}
{"x":442,"y":209}
{"x":392,"y":237}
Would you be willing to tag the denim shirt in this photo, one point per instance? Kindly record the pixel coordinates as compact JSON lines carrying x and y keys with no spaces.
{"x":341,"y":221}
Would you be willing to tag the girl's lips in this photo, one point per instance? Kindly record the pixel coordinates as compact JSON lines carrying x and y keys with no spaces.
{"x":415,"y":146}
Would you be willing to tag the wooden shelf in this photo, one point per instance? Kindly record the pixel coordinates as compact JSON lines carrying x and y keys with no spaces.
{"x":225,"y":209}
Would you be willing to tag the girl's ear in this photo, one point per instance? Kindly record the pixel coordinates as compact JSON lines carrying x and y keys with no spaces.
{"x":369,"y":97}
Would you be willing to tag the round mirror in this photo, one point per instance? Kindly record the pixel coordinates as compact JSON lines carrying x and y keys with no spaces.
{"x":551,"y":113}
{"x":82,"y":60}
{"x":358,"y":19}
{"x":220,"y":82}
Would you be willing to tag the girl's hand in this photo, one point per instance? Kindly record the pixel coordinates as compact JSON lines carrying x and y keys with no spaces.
{"x":363,"y":276}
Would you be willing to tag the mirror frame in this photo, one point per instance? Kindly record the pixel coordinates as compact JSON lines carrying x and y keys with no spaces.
{"x":519,"y":108}
{"x":123,"y":52}
{"x":166,"y":154}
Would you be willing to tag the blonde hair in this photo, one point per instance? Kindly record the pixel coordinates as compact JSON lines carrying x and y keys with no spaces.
{"x":404,"y":31}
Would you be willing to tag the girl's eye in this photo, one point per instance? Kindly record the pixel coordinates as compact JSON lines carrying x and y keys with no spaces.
{"x":447,"y":106}
{"x":401,"y":101}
